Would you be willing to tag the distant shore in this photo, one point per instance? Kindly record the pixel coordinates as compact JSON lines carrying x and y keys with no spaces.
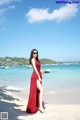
{"x":16,"y":61}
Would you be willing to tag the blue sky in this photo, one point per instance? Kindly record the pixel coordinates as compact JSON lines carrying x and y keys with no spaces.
{"x":50,"y":27}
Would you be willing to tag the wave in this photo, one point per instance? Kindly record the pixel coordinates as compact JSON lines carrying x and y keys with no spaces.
{"x":10,"y":88}
{"x":73,"y":63}
{"x":68,"y":63}
{"x":55,"y":64}
{"x":1,"y":67}
{"x":77,"y":62}
{"x":50,"y":64}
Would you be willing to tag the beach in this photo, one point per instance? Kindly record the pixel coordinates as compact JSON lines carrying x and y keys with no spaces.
{"x":61,"y":93}
{"x":59,"y":105}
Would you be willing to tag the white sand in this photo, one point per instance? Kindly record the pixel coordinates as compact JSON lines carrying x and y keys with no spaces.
{"x":15,"y":105}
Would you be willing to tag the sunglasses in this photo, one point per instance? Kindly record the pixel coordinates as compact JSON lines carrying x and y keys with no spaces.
{"x":35,"y":53}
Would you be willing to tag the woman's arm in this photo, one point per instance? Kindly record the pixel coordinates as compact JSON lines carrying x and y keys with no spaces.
{"x":42,"y":71}
{"x":33,"y":64}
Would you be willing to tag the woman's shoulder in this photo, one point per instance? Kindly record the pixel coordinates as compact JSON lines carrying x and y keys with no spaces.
{"x":33,"y":60}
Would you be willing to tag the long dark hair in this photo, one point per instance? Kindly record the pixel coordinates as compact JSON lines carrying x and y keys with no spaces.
{"x":31,"y":56}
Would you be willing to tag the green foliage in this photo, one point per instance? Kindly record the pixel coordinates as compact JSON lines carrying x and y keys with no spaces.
{"x":47,"y":61}
{"x":15,"y":61}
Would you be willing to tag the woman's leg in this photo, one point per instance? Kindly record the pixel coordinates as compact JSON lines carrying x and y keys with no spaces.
{"x":40,"y":88}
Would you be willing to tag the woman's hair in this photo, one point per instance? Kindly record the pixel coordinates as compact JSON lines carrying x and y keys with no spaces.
{"x":31,"y":56}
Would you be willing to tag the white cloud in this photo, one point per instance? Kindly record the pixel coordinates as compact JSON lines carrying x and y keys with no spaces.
{"x":2,"y":14}
{"x":61,"y":14}
{"x":2,"y":2}
{"x":11,"y":7}
{"x":3,"y":10}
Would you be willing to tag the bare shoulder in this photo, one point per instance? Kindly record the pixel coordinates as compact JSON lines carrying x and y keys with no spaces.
{"x":32,"y":60}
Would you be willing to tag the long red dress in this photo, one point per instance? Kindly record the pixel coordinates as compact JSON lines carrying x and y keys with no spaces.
{"x":33,"y":101}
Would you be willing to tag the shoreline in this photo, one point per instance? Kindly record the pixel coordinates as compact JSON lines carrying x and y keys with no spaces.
{"x":56,"y":95}
{"x":59,"y":96}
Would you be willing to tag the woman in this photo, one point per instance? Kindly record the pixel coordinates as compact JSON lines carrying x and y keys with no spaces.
{"x":36,"y":89}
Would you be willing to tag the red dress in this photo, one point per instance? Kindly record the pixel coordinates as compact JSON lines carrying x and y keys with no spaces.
{"x":33,"y":102}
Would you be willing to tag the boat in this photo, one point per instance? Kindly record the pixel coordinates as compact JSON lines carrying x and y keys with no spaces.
{"x":29,"y":66}
{"x":46,"y":71}
{"x":4,"y":67}
{"x":7,"y":67}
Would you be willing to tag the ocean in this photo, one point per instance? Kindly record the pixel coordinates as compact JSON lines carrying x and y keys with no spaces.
{"x":60,"y":76}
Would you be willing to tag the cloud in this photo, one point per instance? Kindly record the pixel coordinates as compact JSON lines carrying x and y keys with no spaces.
{"x":64,"y":13}
{"x":2,"y":2}
{"x":4,"y":10}
{"x":3,"y":14}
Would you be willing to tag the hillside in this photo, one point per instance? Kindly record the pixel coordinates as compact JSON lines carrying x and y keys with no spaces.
{"x":47,"y":61}
{"x":15,"y":61}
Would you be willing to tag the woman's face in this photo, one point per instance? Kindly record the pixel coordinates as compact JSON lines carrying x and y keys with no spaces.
{"x":35,"y":53}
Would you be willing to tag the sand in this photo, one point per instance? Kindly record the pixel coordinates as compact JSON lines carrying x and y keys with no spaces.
{"x":61,"y":104}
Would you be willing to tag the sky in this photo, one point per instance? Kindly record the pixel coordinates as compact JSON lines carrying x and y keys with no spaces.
{"x":51,"y":27}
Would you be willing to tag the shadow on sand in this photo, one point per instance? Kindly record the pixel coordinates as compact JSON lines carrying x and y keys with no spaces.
{"x":7,"y":106}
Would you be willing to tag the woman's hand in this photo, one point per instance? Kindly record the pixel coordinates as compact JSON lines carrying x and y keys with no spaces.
{"x":40,"y":79}
{"x":42,"y":71}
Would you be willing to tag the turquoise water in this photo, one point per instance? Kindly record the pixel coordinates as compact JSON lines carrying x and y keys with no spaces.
{"x":61,"y":75}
